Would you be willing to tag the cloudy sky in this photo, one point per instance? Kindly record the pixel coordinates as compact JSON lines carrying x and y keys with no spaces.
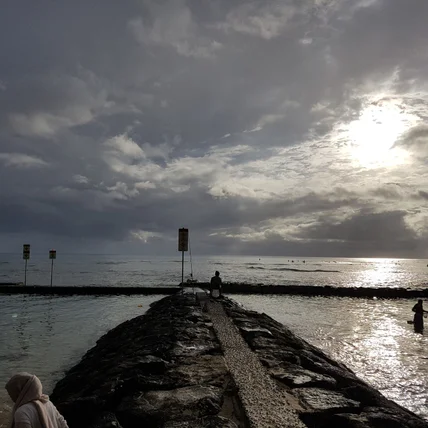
{"x":282,"y":127}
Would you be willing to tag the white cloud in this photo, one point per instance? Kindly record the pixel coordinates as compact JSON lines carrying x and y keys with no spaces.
{"x":266,"y":21}
{"x":144,"y":235}
{"x":174,"y":27}
{"x":122,"y":191}
{"x":38,"y":124}
{"x":125,"y":146}
{"x":161,"y":150}
{"x":21,"y":160}
{"x":80,"y":179}
{"x":144,"y":185}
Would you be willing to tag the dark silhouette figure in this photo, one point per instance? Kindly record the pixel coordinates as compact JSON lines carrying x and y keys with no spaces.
{"x":418,"y":318}
{"x":215,"y":283}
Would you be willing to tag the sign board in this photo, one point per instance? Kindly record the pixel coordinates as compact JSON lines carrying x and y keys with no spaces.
{"x":52,"y":254}
{"x":183,"y":239}
{"x":26,"y":251}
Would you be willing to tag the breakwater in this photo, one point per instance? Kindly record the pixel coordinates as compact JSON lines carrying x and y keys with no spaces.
{"x":189,"y":363}
{"x":85,"y":290}
{"x":228,"y":288}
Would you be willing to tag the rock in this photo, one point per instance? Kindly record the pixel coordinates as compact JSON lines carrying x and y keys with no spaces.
{"x":319,"y":399}
{"x":367,"y":395}
{"x":295,"y":376}
{"x":208,"y":422}
{"x":251,"y":332}
{"x":106,"y":420}
{"x":205,"y":369}
{"x":392,"y":418}
{"x":155,"y":407}
{"x":271,"y":357}
{"x":376,"y":418}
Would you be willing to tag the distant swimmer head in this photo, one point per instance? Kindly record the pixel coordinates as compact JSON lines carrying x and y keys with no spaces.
{"x":217,"y":273}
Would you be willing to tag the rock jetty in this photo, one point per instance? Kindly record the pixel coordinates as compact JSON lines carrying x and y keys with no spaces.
{"x":228,"y":288}
{"x":194,"y":362}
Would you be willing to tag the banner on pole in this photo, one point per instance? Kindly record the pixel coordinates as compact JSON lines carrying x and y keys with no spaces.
{"x":183,"y":239}
{"x":26,"y":251}
{"x":52,"y":254}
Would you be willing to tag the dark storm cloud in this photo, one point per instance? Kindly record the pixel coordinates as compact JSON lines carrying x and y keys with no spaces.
{"x":122,"y":121}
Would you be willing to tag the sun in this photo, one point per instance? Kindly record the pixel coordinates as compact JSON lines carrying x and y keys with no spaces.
{"x":372,"y":136}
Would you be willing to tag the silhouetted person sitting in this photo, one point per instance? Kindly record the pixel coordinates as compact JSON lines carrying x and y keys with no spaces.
{"x":418,"y":319}
{"x":215,"y":284}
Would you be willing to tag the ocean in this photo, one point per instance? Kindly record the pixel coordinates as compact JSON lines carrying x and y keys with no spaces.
{"x":47,"y":335}
{"x":119,"y":270}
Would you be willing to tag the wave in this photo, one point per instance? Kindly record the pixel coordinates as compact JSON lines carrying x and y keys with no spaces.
{"x":4,"y":263}
{"x":305,"y":270}
{"x":111,"y":263}
{"x":294,"y":264}
{"x":293,"y":269}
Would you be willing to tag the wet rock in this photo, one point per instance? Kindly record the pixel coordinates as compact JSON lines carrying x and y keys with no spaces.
{"x":271,"y":357}
{"x":369,"y":396}
{"x":208,"y":422}
{"x":392,"y":417}
{"x":205,"y":369}
{"x":295,"y":376}
{"x":374,"y":418}
{"x":106,"y":420}
{"x":319,"y":399}
{"x":155,"y":407}
{"x":250,"y":332}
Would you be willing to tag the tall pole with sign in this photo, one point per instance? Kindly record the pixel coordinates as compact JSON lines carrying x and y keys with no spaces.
{"x":52,"y":256}
{"x":183,"y":245}
{"x":26,"y":257}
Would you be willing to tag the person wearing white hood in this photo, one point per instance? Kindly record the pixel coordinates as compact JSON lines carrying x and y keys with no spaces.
{"x":32,"y":408}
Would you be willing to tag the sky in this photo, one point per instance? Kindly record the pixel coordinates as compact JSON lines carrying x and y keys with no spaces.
{"x":291,"y":127}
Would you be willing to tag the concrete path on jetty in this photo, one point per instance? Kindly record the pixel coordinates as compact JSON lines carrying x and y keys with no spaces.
{"x":264,"y":403}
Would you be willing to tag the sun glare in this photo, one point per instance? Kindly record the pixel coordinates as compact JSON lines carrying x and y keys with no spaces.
{"x":373,"y":135}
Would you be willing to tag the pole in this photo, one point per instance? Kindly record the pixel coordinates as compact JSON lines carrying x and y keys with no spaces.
{"x":51,"y":271}
{"x":182,"y":268}
{"x":25,"y":273}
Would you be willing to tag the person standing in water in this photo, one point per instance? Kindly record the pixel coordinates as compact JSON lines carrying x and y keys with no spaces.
{"x":215,"y":284}
{"x":32,"y":408}
{"x":418,"y":318}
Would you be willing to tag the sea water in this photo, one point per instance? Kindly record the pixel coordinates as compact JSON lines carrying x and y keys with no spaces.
{"x":137,"y":271}
{"x":48,"y":335}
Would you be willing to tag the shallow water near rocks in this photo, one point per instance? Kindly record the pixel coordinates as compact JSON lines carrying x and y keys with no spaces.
{"x":48,"y":335}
